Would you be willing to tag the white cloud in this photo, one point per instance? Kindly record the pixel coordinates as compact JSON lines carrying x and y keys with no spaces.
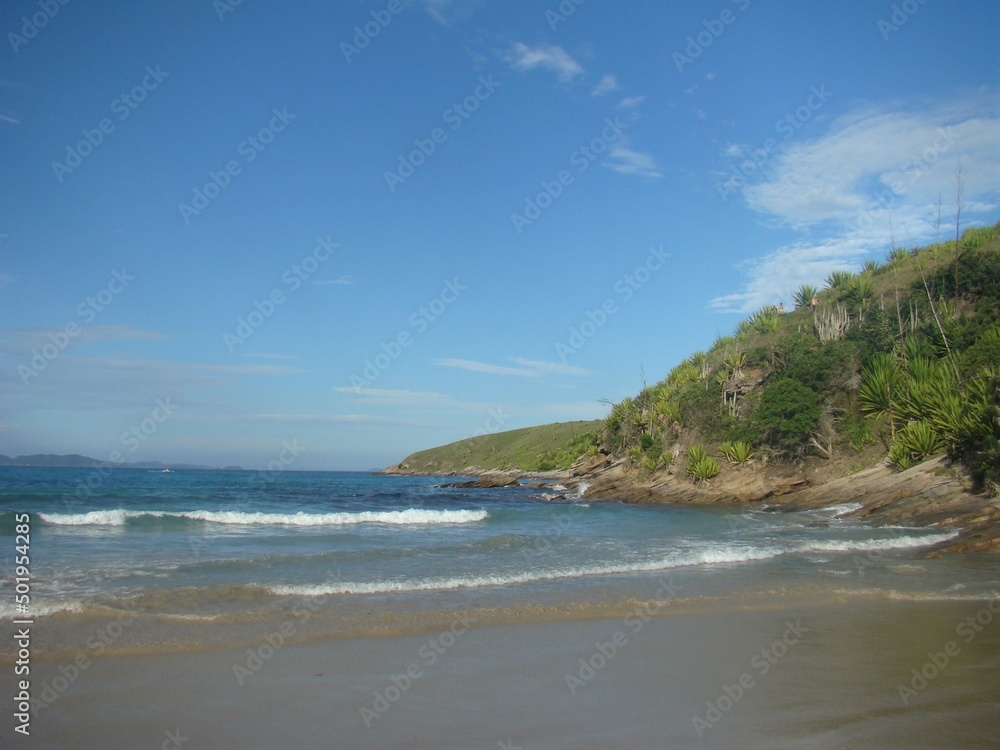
{"x":876,"y":174}
{"x":606,"y":85}
{"x":624,"y":160}
{"x":553,"y":368}
{"x":630,"y":102}
{"x":471,"y":366}
{"x":550,"y":57}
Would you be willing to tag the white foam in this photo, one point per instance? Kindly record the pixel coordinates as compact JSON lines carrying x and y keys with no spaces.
{"x":708,"y":557}
{"x":844,"y":509}
{"x":901,"y":542}
{"x":409,"y":516}
{"x":38,"y":609}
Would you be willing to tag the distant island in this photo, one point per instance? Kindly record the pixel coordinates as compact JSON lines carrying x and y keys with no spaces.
{"x":76,"y":461}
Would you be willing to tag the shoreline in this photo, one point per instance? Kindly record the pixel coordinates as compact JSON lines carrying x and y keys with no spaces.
{"x":933,"y":493}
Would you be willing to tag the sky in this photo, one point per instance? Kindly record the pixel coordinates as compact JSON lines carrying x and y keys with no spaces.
{"x":330,"y":234}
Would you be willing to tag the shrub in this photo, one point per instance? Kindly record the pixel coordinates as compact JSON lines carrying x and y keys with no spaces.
{"x":700,"y":465}
{"x":804,"y":296}
{"x":737,"y":452}
{"x":787,"y":415}
{"x":838,"y":280}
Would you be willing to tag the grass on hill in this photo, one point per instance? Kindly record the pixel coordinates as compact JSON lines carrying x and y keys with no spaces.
{"x":531,"y":449}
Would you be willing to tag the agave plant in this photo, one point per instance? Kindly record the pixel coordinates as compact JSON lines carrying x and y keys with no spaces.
{"x":669,"y":409}
{"x":734,"y":362}
{"x":743,"y":329}
{"x":737,"y":452}
{"x":869,"y":266}
{"x":700,"y":465}
{"x":916,"y":442}
{"x":861,"y":289}
{"x":766,"y":320}
{"x":882,"y":388}
{"x":723,"y":342}
{"x":896,"y":255}
{"x":838,"y":280}
{"x":804,"y":296}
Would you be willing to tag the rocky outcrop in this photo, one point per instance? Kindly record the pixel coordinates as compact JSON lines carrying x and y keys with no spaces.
{"x":486,"y":482}
{"x":933,"y":493}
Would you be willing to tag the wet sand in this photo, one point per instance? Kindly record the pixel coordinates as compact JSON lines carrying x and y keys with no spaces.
{"x":804,"y":674}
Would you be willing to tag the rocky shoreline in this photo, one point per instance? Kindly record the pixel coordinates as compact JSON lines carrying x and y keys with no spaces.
{"x":934,"y":493}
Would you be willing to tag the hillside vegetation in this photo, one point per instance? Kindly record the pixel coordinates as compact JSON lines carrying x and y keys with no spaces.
{"x":532,"y":449}
{"x":901,"y":360}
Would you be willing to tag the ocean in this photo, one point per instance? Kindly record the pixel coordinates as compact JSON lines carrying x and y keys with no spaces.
{"x":136,"y":564}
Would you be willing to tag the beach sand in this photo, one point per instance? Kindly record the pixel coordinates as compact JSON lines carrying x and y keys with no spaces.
{"x":797,"y":675}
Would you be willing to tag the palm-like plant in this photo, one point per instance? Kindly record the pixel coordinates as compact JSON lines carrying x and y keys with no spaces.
{"x":860,"y":289}
{"x":700,"y":465}
{"x":896,"y":255}
{"x":765,"y":320}
{"x":838,"y":279}
{"x":882,"y":388}
{"x":737,"y":452}
{"x":804,"y":296}
{"x":869,"y":266}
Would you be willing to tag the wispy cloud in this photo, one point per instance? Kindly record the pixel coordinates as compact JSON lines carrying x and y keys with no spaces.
{"x":472,"y":366}
{"x":447,"y":12}
{"x":605,"y":86}
{"x":523,"y":58}
{"x":554,"y":368}
{"x":631,"y":102}
{"x":625,"y":160}
{"x":877,"y":170}
{"x":8,"y":118}
{"x":23,"y":340}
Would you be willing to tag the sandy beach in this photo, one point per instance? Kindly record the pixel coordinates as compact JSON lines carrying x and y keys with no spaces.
{"x":875,"y":673}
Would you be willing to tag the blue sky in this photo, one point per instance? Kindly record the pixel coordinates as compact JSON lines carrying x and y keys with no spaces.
{"x":374,"y":227}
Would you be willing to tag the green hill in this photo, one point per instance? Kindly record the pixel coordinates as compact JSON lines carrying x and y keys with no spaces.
{"x":531,"y":449}
{"x":901,"y":360}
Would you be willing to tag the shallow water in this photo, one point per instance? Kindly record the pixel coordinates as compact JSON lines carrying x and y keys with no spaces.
{"x":577,"y":623}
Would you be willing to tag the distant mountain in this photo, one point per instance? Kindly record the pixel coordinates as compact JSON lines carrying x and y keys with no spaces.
{"x":76,"y":461}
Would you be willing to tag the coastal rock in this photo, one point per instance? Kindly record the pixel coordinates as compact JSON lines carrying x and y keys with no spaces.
{"x":487,"y":482}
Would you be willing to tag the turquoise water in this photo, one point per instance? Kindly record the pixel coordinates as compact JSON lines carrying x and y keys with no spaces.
{"x":218,"y":544}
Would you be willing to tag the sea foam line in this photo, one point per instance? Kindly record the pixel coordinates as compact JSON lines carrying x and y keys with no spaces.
{"x":410,"y":516}
{"x":718,"y":556}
